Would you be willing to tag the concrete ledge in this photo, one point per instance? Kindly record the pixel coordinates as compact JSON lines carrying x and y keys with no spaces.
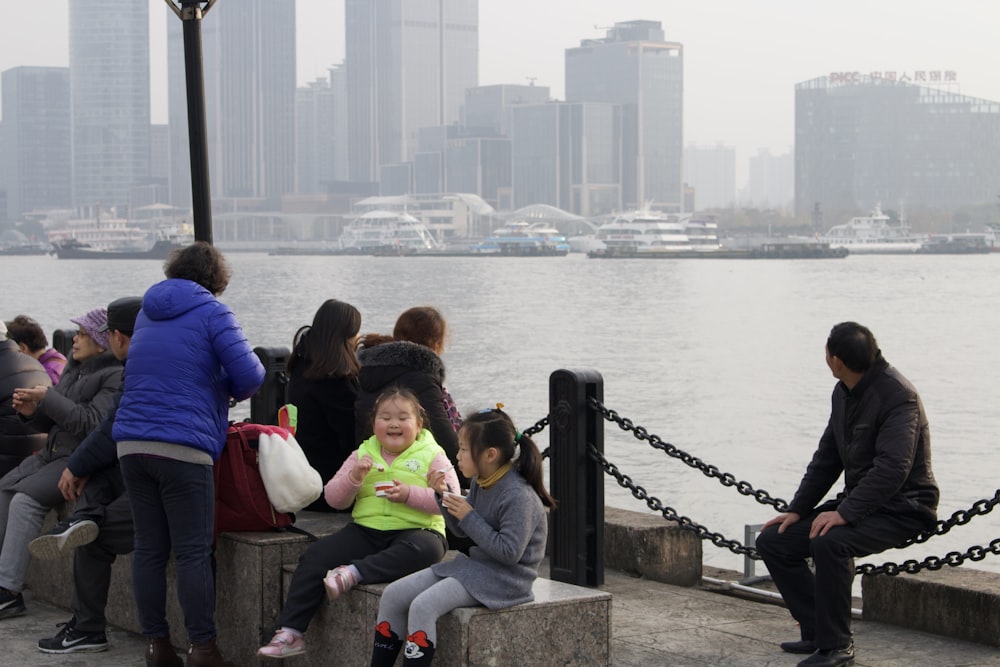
{"x":564,"y":625}
{"x":954,"y":602}
{"x":647,"y":545}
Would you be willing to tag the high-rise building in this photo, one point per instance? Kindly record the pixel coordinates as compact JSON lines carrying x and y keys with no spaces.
{"x":35,"y":162}
{"x":771,"y":183}
{"x":567,"y":155}
{"x":711,"y":171}
{"x":861,"y":140}
{"x":109,"y":100}
{"x":487,"y":107}
{"x":409,"y":63}
{"x":634,"y":66}
{"x":249,"y":65}
{"x":314,"y":137}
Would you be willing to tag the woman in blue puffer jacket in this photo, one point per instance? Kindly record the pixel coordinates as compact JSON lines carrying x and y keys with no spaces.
{"x":187,"y":357}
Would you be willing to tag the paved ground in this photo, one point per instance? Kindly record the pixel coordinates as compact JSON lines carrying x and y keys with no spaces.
{"x":653,"y":625}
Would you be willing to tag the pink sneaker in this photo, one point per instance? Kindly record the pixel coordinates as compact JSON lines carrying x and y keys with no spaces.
{"x":283,"y":645}
{"x":338,"y":581}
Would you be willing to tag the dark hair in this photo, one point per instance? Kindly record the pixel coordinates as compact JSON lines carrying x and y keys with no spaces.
{"x":24,"y":329}
{"x":393,"y":393}
{"x":325,"y":347}
{"x":202,"y":263}
{"x":423,"y":325}
{"x":494,"y":428}
{"x":854,"y":345}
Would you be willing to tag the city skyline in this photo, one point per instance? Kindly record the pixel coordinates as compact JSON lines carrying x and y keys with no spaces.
{"x":741,"y":64}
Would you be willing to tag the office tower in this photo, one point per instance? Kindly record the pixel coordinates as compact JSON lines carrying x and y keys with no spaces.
{"x":634,"y":67}
{"x":109,"y":100}
{"x":772,"y":180}
{"x":711,"y":171}
{"x":567,"y":155}
{"x":249,"y":64}
{"x":480,"y":166}
{"x":408,"y":64}
{"x":865,"y":139}
{"x":487,"y":107}
{"x":35,"y":162}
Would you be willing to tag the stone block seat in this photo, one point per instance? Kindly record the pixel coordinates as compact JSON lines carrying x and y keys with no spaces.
{"x":565,"y":624}
{"x":955,"y":602}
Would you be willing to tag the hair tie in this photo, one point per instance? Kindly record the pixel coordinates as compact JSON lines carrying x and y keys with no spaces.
{"x":499,"y":406}
{"x":517,"y":436}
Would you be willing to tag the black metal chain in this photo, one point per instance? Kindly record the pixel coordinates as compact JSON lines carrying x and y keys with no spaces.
{"x":537,"y":428}
{"x":669,"y":513}
{"x":725,"y":478}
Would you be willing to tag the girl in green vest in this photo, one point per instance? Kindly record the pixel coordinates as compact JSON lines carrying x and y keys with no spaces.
{"x":397,"y":526}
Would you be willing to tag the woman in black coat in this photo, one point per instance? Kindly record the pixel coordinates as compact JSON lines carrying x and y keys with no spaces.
{"x":323,"y":385}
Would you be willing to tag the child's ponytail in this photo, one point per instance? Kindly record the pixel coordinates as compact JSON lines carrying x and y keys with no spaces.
{"x":529,"y":464}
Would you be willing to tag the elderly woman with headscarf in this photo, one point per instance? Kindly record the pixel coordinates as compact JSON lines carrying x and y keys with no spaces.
{"x":68,"y":412}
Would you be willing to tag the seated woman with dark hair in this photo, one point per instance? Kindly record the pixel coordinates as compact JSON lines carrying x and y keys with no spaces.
{"x":410,"y":359}
{"x":28,"y":335}
{"x":323,"y":385}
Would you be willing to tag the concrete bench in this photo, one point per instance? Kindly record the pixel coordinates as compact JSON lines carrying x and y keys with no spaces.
{"x":564,"y":625}
{"x":954,"y":602}
{"x":253,"y":568}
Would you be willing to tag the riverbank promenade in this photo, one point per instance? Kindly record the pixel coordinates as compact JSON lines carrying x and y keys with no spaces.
{"x":653,"y":624}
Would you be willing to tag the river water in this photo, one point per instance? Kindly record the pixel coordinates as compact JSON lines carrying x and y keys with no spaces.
{"x":722,"y":358}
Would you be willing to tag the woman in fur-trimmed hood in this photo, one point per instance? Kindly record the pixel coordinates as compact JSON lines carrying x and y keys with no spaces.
{"x":409,"y":359}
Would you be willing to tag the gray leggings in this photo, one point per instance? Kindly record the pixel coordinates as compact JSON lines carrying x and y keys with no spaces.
{"x":416,"y":601}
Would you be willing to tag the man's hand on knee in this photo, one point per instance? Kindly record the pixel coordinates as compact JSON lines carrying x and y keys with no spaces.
{"x":783,"y":521}
{"x":824,"y":521}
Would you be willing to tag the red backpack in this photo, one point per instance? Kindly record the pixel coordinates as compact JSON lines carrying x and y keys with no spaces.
{"x":241,"y":502}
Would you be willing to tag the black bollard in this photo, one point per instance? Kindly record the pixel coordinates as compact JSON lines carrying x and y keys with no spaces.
{"x":576,"y":480}
{"x":271,"y":395}
{"x":62,"y":341}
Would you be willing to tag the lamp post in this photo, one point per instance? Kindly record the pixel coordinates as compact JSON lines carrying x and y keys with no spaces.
{"x":190,"y":12}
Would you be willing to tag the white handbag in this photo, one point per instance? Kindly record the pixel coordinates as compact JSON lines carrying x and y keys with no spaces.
{"x":290,"y":481}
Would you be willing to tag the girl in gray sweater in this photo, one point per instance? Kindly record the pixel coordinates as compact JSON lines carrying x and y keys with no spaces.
{"x":504,"y":514}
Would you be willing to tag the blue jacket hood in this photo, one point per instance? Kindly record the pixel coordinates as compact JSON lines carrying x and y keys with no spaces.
{"x":172,"y":298}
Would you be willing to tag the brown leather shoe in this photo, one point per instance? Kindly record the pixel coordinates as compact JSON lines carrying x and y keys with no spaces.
{"x":206,"y":655}
{"x":160,"y":653}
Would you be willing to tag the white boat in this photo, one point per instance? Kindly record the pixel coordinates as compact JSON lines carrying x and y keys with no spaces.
{"x":387,"y":231}
{"x":104,"y":232}
{"x":654,"y":231}
{"x":874,"y":234}
{"x":524,"y":238}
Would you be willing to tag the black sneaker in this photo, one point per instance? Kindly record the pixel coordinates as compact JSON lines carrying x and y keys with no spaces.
{"x":66,"y":536}
{"x":11,"y":604}
{"x":71,"y":640}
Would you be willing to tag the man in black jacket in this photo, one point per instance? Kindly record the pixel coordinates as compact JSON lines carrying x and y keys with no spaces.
{"x":101,"y":524}
{"x":878,"y":437}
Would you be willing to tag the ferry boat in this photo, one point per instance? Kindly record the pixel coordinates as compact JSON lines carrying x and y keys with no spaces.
{"x":387,"y":232}
{"x":874,"y":234}
{"x":524,"y":239}
{"x":648,"y":231}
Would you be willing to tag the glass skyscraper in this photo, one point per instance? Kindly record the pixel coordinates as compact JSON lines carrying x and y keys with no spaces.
{"x":861,"y":140}
{"x":633,"y":66}
{"x":249,"y":64}
{"x":109,"y":100}
{"x":408,"y":65}
{"x":35,"y":163}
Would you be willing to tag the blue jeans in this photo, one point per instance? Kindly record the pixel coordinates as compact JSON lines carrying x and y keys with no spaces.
{"x":173,"y":507}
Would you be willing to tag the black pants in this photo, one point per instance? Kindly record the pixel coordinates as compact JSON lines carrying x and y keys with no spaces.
{"x":379,"y":555}
{"x":821,"y":603}
{"x":104,"y":501}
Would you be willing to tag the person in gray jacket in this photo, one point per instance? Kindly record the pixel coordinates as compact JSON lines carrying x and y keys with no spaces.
{"x":68,"y":412}
{"x":878,"y":437}
{"x":18,"y":439}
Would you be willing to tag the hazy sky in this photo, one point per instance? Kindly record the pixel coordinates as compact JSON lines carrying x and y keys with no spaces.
{"x":742,"y":57}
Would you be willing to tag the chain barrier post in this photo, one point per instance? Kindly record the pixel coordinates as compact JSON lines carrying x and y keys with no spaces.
{"x":271,"y":395}
{"x":576,"y":480}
